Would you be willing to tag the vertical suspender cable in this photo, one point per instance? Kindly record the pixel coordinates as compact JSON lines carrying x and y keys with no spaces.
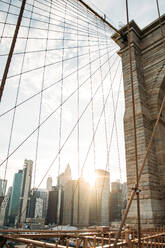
{"x":93,"y":125}
{"x":104,"y":112}
{"x":16,"y":100}
{"x":61,"y":112}
{"x":8,"y":11}
{"x":134,"y":126}
{"x":41,"y":98}
{"x":148,"y":148}
{"x":102,"y":86}
{"x":78,"y":126}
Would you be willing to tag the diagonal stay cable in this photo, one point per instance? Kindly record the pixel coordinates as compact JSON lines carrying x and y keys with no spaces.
{"x":51,"y":49}
{"x":7,"y":13}
{"x":73,"y":10}
{"x":56,"y":9}
{"x":53,"y":161}
{"x":99,"y":120}
{"x":132,"y":195}
{"x":70,"y":133}
{"x":70,"y":25}
{"x":41,"y":103}
{"x":97,"y":125}
{"x":103,"y":110}
{"x":53,"y":112}
{"x":48,"y":87}
{"x":54,"y":39}
{"x":53,"y":63}
{"x":56,"y":4}
{"x":16,"y":101}
{"x":53,"y":31}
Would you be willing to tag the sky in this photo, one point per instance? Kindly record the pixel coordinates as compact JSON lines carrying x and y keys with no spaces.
{"x":110,"y":134}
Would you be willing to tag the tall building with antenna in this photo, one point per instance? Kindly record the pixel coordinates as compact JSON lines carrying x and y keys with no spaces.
{"x":25,"y":190}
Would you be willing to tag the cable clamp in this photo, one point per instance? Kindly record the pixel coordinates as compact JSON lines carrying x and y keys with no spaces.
{"x":137,"y":190}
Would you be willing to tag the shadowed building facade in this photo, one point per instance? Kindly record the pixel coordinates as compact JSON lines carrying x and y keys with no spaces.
{"x":15,"y":197}
{"x":25,"y":190}
{"x":148,"y":64}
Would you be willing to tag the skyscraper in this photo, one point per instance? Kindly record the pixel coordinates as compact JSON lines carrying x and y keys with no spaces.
{"x":36,"y":194}
{"x":100,"y":199}
{"x":3,"y":184}
{"x":25,"y":190}
{"x":5,"y":208}
{"x":62,"y":180}
{"x":81,"y":193}
{"x":116,"y":201}
{"x":52,"y":206}
{"x":49,"y":184}
{"x":15,"y":197}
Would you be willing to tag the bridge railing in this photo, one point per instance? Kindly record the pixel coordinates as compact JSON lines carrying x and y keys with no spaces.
{"x":154,"y":238}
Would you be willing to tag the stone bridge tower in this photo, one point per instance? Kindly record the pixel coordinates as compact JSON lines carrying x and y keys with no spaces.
{"x":148,"y":61}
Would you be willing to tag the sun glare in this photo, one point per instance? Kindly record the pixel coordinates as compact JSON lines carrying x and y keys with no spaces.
{"x":90,"y":176}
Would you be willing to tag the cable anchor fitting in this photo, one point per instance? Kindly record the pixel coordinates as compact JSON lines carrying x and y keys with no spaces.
{"x":137,"y":190}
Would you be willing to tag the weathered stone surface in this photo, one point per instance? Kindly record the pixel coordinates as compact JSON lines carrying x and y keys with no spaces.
{"x":148,"y":63}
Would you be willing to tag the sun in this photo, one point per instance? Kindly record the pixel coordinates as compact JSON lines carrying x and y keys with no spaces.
{"x":90,"y":176}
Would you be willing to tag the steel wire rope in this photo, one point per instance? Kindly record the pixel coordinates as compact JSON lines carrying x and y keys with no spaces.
{"x":144,"y":159}
{"x":44,"y":29}
{"x":9,"y":58}
{"x":114,"y":126}
{"x":104,"y":114}
{"x":92,"y":112}
{"x":40,"y":67}
{"x":114,"y":118}
{"x":78,"y":126}
{"x":48,"y":87}
{"x":111,"y":136}
{"x":102,"y":90}
{"x":49,"y":50}
{"x":91,"y":15}
{"x":115,"y":123}
{"x":7,"y":13}
{"x":43,"y":38}
{"x":70,"y":133}
{"x":102,"y":187}
{"x":96,"y":128}
{"x":84,"y":34}
{"x":97,"y":125}
{"x":61,"y":116}
{"x":134,"y":126}
{"x":38,"y":20}
{"x":46,"y":119}
{"x":35,"y":7}
{"x":111,"y":89}
{"x":115,"y":107}
{"x":85,"y":10}
{"x":73,"y":129}
{"x":73,"y":10}
{"x":41,"y":103}
{"x":44,"y":15}
{"x":14,"y":112}
{"x":55,"y":4}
